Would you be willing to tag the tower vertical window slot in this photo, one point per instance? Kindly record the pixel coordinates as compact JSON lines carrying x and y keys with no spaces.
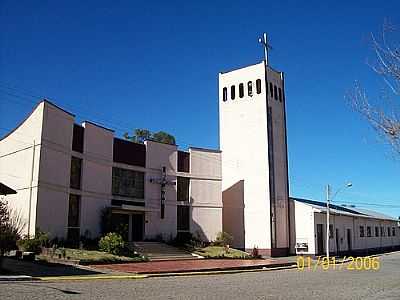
{"x":280,"y":94}
{"x":275,"y":92}
{"x":271,"y":90}
{"x":241,"y":90}
{"x":250,"y":88}
{"x":258,"y":86}
{"x":232,"y":92}
{"x":224,"y":94}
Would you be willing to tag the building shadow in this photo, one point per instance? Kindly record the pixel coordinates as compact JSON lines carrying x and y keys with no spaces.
{"x":233,"y":213}
{"x":42,"y":269}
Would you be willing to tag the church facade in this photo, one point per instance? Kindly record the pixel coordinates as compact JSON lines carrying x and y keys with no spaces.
{"x":67,"y":174}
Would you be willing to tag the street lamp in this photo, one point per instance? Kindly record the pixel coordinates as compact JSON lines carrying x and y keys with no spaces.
{"x":328,"y":199}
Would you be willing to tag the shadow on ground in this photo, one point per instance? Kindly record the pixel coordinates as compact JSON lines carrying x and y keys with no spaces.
{"x":42,"y":269}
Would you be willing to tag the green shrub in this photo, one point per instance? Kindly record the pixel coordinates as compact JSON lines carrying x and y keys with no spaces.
{"x":112,"y":243}
{"x":223,"y":239}
{"x":35,"y":244}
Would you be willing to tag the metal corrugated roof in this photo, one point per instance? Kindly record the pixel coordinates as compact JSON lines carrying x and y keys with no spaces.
{"x":337,"y":209}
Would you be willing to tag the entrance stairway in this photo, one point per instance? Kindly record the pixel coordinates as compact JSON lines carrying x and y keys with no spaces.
{"x":156,"y":251}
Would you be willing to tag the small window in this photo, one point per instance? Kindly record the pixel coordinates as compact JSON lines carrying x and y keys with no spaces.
{"x":224,"y":94}
{"x":376,"y":231}
{"x":368,"y":231}
{"x":280,"y":94}
{"x":232,"y":92}
{"x":250,"y":88}
{"x":393,"y":231}
{"x":271,"y":90}
{"x":362,"y":231}
{"x":258,"y":86}
{"x":389,"y":233}
{"x":275,"y":92}
{"x":382,"y":231}
{"x":241,"y":90}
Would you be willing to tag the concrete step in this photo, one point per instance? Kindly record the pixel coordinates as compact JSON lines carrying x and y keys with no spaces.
{"x":157,"y":251}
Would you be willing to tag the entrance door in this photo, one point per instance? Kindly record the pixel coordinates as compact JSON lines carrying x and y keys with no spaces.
{"x":120,"y":224}
{"x":349,"y":240}
{"x":137,"y":227}
{"x":320,"y":239}
{"x":337,"y":242}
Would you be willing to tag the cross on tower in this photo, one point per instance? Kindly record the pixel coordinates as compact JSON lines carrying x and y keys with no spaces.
{"x":163,"y":182}
{"x":266,"y":45}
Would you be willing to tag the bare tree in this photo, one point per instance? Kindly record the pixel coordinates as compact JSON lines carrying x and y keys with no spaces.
{"x":382,"y":113}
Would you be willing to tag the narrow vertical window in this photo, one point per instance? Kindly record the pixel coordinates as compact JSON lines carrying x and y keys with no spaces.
{"x":73,"y":230}
{"x":376,"y":231}
{"x":76,"y":172}
{"x":250,"y":88}
{"x":388,"y":230}
{"x":393,"y":231}
{"x":258,"y":86}
{"x":241,"y":90}
{"x":224,"y":94}
{"x":280,"y":94}
{"x":232,"y":92}
{"x":271,"y":90}
{"x":275,"y":93}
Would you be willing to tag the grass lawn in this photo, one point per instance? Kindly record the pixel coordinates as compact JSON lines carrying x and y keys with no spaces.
{"x":219,"y":252}
{"x":87,"y":257}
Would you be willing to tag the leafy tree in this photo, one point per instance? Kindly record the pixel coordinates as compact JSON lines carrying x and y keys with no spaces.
{"x":383,"y":114}
{"x":164,"y":137}
{"x":140,"y":135}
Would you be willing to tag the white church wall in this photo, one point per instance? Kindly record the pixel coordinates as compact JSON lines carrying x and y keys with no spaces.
{"x":17,"y":158}
{"x":244,"y":146}
{"x":205,"y":193}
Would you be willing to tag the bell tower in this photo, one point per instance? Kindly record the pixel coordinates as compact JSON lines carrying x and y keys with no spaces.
{"x":255,"y":185}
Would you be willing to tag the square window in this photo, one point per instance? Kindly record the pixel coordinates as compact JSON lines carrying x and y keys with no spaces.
{"x":362,"y":231}
{"x":368,"y":231}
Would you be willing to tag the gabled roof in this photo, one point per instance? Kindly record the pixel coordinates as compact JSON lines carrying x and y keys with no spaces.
{"x":341,"y":210}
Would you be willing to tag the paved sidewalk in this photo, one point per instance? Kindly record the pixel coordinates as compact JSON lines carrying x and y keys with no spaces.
{"x":179,"y":266}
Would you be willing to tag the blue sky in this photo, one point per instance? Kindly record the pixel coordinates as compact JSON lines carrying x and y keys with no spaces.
{"x":129,"y":64}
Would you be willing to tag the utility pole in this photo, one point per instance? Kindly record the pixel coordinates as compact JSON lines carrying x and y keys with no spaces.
{"x":328,"y":200}
{"x":328,"y":192}
{"x":30,"y":189}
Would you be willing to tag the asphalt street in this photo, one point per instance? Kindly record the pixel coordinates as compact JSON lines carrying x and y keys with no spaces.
{"x":279,"y":284}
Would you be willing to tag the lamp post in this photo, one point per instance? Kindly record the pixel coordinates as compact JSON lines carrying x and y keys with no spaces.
{"x":328,"y":200}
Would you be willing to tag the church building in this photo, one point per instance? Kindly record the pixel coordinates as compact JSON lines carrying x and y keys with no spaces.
{"x":67,"y":174}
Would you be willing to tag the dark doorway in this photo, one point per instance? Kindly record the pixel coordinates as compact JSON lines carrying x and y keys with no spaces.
{"x":137,"y":227}
{"x":120,"y":224}
{"x":320,"y":239}
{"x":349,"y":240}
{"x":337,"y":242}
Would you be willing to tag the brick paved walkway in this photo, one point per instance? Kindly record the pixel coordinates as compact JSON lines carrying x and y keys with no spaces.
{"x":190,"y":265}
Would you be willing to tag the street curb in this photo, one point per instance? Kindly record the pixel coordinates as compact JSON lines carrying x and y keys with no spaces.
{"x":155,"y":275}
{"x":235,"y":271}
{"x":88,"y":277}
{"x":15,"y":278}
